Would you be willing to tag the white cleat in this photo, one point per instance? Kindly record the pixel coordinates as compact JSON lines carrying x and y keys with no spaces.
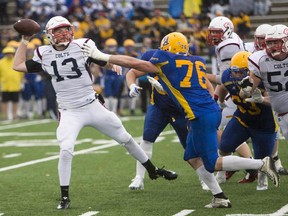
{"x":219,"y":203}
{"x":269,"y":168}
{"x":137,"y":183}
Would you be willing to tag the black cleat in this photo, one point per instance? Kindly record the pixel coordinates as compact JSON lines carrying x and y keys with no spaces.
{"x":64,"y":203}
{"x":167,"y":174}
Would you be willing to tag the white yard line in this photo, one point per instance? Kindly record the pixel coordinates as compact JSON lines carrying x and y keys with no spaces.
{"x":90,"y":213}
{"x":23,"y":124}
{"x":184,"y":212}
{"x":281,"y":212}
{"x":113,"y":143}
{"x":19,"y":134}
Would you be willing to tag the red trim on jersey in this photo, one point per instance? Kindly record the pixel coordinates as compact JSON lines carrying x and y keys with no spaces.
{"x":38,"y":53}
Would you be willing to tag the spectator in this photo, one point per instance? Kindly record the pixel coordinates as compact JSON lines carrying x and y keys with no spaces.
{"x":142,"y":25}
{"x":10,"y":81}
{"x":183,"y":25}
{"x":144,"y":7}
{"x":261,"y":7}
{"x":113,"y":83}
{"x":244,"y":25}
{"x":124,"y":8}
{"x":4,"y":18}
{"x":175,"y":8}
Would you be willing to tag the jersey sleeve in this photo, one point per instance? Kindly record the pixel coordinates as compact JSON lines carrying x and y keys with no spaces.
{"x":253,"y":64}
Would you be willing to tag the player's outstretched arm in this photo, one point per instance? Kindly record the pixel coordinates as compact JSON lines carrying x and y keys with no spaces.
{"x":122,"y":60}
{"x":20,"y":55}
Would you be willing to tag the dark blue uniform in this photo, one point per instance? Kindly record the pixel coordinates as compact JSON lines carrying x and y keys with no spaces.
{"x":184,"y":79}
{"x":249,"y":120}
{"x":161,"y":112}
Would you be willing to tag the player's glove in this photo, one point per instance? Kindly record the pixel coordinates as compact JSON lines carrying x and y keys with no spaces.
{"x":256,"y":97}
{"x":222,"y":105}
{"x":246,"y":86}
{"x":156,"y":84}
{"x":134,"y":90}
{"x":95,"y":53}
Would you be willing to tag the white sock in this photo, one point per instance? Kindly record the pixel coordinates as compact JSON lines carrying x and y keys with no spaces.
{"x":147,"y":148}
{"x":209,"y":179}
{"x":234,"y":163}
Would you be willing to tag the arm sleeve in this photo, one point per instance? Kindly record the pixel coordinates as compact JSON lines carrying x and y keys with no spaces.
{"x":98,"y":62}
{"x":33,"y":67}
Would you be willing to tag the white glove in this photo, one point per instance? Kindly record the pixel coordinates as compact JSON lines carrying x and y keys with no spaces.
{"x":134,"y":90}
{"x":222,"y":105}
{"x":94,"y":53}
{"x":246,"y":86}
{"x":256,"y":97}
{"x":156,"y":84}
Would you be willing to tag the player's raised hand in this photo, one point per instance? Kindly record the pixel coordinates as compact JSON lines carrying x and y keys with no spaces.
{"x":134,"y":90}
{"x":94,"y":52}
{"x":156,"y":84}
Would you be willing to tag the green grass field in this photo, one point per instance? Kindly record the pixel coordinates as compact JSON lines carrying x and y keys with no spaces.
{"x":102,"y":172}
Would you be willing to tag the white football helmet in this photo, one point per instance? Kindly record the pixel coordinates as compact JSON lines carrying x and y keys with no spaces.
{"x":219,"y":29}
{"x":276,"y":41}
{"x":62,"y":38}
{"x":259,"y":36}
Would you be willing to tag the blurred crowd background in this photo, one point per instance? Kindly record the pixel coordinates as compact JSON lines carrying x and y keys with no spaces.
{"x":117,"y":26}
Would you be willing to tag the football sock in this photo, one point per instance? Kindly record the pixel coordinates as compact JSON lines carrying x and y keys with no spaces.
{"x":147,"y":148}
{"x":149,"y":166}
{"x":220,"y":195}
{"x":234,"y":163}
{"x":64,"y":191}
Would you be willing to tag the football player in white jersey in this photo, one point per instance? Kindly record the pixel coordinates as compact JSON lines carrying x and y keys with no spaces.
{"x":65,"y":62}
{"x":257,"y":45}
{"x":270,"y":66}
{"x":221,"y":34}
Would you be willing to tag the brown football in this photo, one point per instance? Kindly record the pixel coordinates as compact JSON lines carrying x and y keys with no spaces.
{"x":27,"y":27}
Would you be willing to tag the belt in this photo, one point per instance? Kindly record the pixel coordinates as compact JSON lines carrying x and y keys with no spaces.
{"x":282,"y":114}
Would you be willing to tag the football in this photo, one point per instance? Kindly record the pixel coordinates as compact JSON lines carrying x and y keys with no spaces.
{"x":27,"y":27}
